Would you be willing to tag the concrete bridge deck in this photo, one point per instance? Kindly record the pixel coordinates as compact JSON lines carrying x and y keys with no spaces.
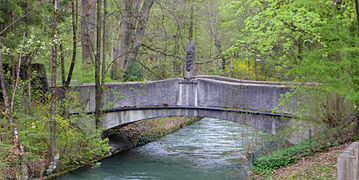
{"x":246,"y":102}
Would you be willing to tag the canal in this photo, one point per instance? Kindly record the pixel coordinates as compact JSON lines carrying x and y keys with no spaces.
{"x":207,"y":149}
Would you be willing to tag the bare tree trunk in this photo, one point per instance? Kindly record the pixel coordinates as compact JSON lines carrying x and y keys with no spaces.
{"x":140,"y":30}
{"x":357,"y":12}
{"x":133,"y":20}
{"x":176,"y":64}
{"x":63,"y":76}
{"x":217,"y":43}
{"x":356,"y":130}
{"x":190,"y":30}
{"x":53,"y":65}
{"x":104,"y":42}
{"x":98,"y":96}
{"x":129,"y":18}
{"x":74,"y":7}
{"x":66,"y":82}
{"x":87,"y":30}
{"x":62,"y":61}
{"x":9,"y":110}
{"x":124,"y":41}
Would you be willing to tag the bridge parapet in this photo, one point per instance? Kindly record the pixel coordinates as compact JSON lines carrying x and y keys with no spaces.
{"x":200,"y":92}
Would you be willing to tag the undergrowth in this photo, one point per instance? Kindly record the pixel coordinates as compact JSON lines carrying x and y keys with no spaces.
{"x":265,"y":165}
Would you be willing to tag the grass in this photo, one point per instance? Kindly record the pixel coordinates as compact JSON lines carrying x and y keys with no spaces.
{"x":297,"y":162}
{"x":319,"y":166}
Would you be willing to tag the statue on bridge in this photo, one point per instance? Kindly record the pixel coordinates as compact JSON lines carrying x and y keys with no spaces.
{"x":190,"y":57}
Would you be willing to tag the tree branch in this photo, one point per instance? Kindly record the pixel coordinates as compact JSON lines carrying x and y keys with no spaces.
{"x":163,"y":53}
{"x":7,"y":27}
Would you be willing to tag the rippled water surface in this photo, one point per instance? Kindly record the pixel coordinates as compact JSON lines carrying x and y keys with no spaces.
{"x":207,"y":149}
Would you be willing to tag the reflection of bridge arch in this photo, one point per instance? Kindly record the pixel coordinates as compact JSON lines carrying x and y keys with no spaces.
{"x":246,"y":102}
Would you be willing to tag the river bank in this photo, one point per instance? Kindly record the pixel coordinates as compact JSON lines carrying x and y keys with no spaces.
{"x":142,"y":132}
{"x":322,"y":165}
{"x":134,"y":135}
{"x":314,"y":159}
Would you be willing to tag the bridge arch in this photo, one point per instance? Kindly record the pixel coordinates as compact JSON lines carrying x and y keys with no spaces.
{"x":245,"y":102}
{"x":267,"y":122}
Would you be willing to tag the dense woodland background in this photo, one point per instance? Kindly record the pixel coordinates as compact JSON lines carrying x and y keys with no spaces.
{"x":89,"y":41}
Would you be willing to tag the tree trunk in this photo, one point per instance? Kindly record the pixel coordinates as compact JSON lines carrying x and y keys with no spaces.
{"x":98,"y":96}
{"x":176,"y":64}
{"x":66,"y":83}
{"x":9,"y":108}
{"x":356,"y":130}
{"x":133,"y":19}
{"x":104,"y":42}
{"x":129,"y":13}
{"x":53,"y":65}
{"x":63,"y":80}
{"x":124,"y":42}
{"x":62,"y":61}
{"x":74,"y":15}
{"x":190,"y":30}
{"x":357,"y":12}
{"x":87,"y":31}
{"x":140,"y":31}
{"x":217,"y":43}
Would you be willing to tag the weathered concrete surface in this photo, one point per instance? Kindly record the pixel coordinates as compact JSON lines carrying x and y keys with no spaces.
{"x":269,"y":124}
{"x":348,"y":163}
{"x":202,"y":93}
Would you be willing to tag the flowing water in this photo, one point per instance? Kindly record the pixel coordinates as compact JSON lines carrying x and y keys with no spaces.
{"x":207,"y":149}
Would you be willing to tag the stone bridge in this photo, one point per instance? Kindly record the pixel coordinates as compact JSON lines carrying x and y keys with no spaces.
{"x":246,"y":102}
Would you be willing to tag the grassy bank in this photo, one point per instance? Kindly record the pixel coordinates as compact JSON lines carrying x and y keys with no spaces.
{"x":315,"y":159}
{"x":321,"y":165}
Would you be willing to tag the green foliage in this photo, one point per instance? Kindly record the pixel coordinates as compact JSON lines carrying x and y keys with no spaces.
{"x":4,"y":163}
{"x":312,"y":40}
{"x":320,"y":142}
{"x":304,"y":41}
{"x":134,"y":72}
{"x":77,"y":140}
{"x":281,"y":158}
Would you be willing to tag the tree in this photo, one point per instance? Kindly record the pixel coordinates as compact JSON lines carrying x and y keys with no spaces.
{"x":66,"y":81}
{"x":98,"y":88}
{"x":309,"y":41}
{"x":88,"y":31}
{"x":8,"y":112}
{"x":132,"y":29}
{"x":53,"y":63}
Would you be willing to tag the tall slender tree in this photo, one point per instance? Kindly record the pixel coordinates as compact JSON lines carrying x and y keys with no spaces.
{"x":53,"y":64}
{"x":8,"y":112}
{"x":98,"y":88}
{"x":104,"y":42}
{"x":66,"y":81}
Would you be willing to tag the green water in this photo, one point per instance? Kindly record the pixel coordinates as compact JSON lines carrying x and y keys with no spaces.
{"x":207,"y":149}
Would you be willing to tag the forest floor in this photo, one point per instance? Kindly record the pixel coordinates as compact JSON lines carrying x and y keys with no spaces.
{"x":321,"y":165}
